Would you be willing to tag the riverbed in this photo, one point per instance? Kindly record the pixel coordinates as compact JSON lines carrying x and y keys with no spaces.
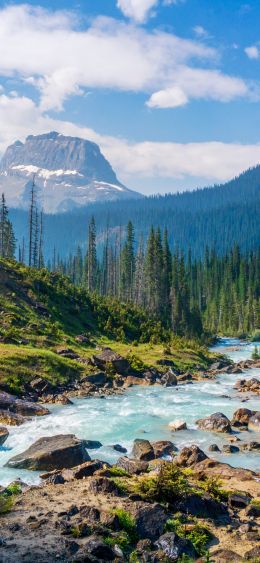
{"x":144,"y":412}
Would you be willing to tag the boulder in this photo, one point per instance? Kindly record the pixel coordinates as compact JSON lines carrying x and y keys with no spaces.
{"x":202,"y":507}
{"x":132,"y":466}
{"x":67,"y":353}
{"x":11,"y":419}
{"x":177,"y":425}
{"x":96,"y":547}
{"x":99,"y":379}
{"x":92,"y":444}
{"x":108,"y":357}
{"x":250,"y":446}
{"x":238,"y":500}
{"x":40,"y":386}
{"x":216,"y":422}
{"x":230,"y":449}
{"x":103,"y":485}
{"x":131,"y":380}
{"x":163,"y":448}
{"x":224,"y":556}
{"x":214,"y":448}
{"x":175,"y":547}
{"x":150,"y":520}
{"x":165,"y":362}
{"x":143,"y":450}
{"x":3,"y":435}
{"x":254,"y":422}
{"x":119,"y":448}
{"x":253,"y":510}
{"x":55,"y":452}
{"x":81,"y":471}
{"x":190,"y":455}
{"x":169,"y":379}
{"x":18,"y":406}
{"x":241,"y":417}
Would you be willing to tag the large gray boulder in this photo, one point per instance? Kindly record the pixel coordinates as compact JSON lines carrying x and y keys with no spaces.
{"x":55,"y":452}
{"x":216,"y":422}
{"x":174,"y":547}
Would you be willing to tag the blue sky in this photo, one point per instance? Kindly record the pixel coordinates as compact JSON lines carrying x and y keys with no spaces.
{"x":170,"y":89}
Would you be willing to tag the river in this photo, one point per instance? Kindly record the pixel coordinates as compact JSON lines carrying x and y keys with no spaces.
{"x":143,"y":412}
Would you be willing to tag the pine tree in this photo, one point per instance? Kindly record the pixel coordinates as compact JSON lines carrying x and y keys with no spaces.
{"x":7,"y":238}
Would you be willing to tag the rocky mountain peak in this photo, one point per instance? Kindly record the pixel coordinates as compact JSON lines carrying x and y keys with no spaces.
{"x":69,"y":172}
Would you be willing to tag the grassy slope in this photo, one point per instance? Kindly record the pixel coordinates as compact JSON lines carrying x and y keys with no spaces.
{"x":40,"y":311}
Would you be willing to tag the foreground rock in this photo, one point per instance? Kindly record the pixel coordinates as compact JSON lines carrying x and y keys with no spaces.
{"x":216,"y":422}
{"x":143,"y":450}
{"x":189,"y":456}
{"x":56,"y":452}
{"x":174,"y":547}
{"x":18,"y":406}
{"x":3,"y":435}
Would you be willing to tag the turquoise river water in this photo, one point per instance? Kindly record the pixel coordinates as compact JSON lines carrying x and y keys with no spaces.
{"x":143,"y":412}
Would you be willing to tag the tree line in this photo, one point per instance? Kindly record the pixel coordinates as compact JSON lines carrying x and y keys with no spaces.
{"x":218,"y":294}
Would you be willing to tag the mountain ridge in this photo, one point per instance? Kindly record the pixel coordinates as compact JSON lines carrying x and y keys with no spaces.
{"x":69,"y":172}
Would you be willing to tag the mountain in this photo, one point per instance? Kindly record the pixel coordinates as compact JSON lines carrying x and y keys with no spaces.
{"x":69,"y":173}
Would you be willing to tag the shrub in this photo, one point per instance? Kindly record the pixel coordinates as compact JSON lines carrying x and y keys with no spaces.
{"x":6,"y":503}
{"x":167,"y":486}
{"x":135,"y":362}
{"x":212,"y":486}
{"x":127,"y":523}
{"x":118,"y":472}
{"x":199,"y":535}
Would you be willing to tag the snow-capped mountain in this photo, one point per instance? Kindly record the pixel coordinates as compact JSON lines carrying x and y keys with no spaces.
{"x":68,"y":172}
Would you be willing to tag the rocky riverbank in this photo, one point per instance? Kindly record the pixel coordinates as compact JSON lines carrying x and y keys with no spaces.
{"x":140,"y":509}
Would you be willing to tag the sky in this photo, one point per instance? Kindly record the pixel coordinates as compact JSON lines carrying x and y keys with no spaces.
{"x":169,"y":89}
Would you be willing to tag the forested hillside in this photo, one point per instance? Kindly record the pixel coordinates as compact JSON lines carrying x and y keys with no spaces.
{"x":218,"y":217}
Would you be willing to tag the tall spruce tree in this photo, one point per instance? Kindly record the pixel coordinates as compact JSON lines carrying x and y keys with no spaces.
{"x":7,"y":238}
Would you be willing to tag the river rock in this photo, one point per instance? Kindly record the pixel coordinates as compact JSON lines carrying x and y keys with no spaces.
{"x":163,"y":448}
{"x":132,"y":466}
{"x":169,"y":379}
{"x":55,"y":452}
{"x":18,"y":406}
{"x":143,"y":450}
{"x":248,"y":385}
{"x":241,"y":417}
{"x":174,"y":547}
{"x":40,"y":386}
{"x":254,"y":422}
{"x":230,"y":449}
{"x":216,"y":422}
{"x":11,"y":419}
{"x":108,"y":357}
{"x":190,"y":455}
{"x":250,"y":446}
{"x":150,"y":519}
{"x":3,"y":435}
{"x":177,"y":425}
{"x":214,"y":448}
{"x":119,"y":448}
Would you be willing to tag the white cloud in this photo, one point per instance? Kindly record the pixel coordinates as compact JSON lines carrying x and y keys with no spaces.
{"x":137,"y":10}
{"x":200,"y":31}
{"x":252,"y":52}
{"x":61,"y":58}
{"x":209,"y":161}
{"x":198,"y":83}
